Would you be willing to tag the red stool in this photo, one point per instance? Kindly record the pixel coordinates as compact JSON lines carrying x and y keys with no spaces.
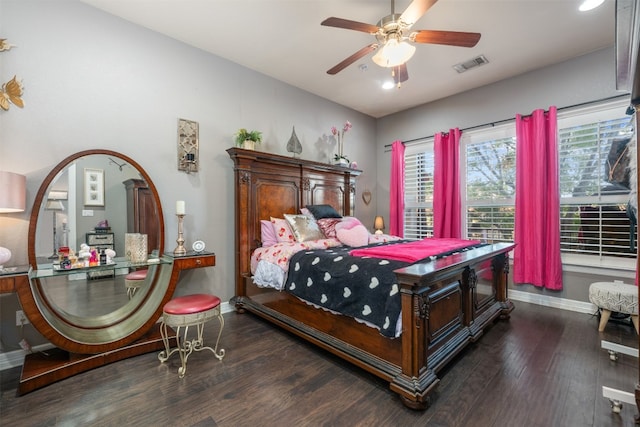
{"x":133,"y":281}
{"x":185,"y":311}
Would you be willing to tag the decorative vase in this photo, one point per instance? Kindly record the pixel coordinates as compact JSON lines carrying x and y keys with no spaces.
{"x":249,"y":144}
{"x":135,"y":247}
{"x":341,"y":162}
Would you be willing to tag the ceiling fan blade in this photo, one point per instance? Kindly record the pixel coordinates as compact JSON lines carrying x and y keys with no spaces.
{"x":451,"y":38}
{"x":415,"y":10}
{"x":353,"y":58}
{"x":400,"y":74}
{"x":350,"y":25}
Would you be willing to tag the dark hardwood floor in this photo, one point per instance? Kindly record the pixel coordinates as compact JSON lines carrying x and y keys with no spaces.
{"x":543,"y":367}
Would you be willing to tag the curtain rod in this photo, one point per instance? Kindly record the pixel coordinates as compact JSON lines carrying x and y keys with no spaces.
{"x":508,"y":120}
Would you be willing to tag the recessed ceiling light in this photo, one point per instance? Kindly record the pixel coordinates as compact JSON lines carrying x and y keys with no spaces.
{"x":389,"y":84}
{"x":589,"y":5}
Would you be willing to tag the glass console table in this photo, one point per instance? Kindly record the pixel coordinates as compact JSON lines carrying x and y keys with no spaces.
{"x":86,"y":342}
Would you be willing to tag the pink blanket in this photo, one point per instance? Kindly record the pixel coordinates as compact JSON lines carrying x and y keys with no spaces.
{"x":414,"y":251}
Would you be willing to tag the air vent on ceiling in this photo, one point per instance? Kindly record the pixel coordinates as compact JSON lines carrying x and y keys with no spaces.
{"x":472,"y":63}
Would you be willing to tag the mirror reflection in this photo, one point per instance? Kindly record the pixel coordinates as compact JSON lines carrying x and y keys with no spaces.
{"x":85,"y":214}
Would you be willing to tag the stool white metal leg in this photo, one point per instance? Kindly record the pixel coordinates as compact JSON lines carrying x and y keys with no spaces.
{"x":182,"y":319}
{"x":184,"y":346}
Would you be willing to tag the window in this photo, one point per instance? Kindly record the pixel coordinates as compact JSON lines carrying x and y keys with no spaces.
{"x":594,"y":184}
{"x":418,"y":196}
{"x":488,"y":165}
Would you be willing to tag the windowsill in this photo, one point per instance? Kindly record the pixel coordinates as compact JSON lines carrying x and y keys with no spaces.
{"x":592,"y":265}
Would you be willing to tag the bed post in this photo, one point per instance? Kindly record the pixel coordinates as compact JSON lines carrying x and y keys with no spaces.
{"x":500,"y":267}
{"x":416,"y":381}
{"x":242,"y":214}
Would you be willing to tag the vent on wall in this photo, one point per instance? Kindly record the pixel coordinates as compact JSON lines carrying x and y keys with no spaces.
{"x":472,"y":63}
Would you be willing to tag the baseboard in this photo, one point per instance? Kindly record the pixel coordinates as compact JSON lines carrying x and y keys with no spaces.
{"x":11,"y":359}
{"x":555,"y":302}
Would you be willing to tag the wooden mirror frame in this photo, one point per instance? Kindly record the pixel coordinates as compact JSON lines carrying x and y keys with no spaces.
{"x":71,"y":335}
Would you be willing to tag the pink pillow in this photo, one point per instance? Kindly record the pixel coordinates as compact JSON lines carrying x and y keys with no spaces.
{"x":328,"y":226}
{"x":283,"y":230}
{"x":267,"y":233}
{"x":356,"y":235}
{"x":306,"y":212}
{"x":348,"y":222}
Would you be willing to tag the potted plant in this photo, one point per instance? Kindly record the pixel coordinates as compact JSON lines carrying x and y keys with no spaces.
{"x":248,"y":139}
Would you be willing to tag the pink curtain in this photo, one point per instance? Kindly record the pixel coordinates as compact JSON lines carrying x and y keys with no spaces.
{"x":537,"y":223}
{"x":396,"y":202}
{"x":446,"y":182}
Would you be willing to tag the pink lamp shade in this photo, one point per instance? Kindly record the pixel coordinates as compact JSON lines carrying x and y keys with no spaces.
{"x":12,"y":199}
{"x":12,"y":192}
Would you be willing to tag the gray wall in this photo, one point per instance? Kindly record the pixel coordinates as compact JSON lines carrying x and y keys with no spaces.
{"x":581,"y":80}
{"x":92,"y":80}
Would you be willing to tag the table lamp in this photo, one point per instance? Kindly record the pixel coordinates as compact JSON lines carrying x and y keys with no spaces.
{"x":378,"y":224}
{"x":55,"y":206}
{"x":12,"y":199}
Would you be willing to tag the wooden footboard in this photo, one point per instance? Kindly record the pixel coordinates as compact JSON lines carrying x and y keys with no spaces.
{"x":446,"y":303}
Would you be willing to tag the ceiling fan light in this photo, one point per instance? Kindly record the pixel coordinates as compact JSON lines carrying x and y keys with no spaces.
{"x":389,"y":84}
{"x":393,"y":53}
{"x":587,"y":5}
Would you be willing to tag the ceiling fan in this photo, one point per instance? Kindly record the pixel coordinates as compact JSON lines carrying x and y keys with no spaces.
{"x":392,"y":34}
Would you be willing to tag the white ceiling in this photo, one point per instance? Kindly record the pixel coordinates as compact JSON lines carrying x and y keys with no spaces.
{"x":284,"y":39}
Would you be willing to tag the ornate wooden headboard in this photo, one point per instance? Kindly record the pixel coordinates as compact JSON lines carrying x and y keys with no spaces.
{"x":268,"y":185}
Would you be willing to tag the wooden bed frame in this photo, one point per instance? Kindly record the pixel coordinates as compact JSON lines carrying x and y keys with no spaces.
{"x":446,"y":304}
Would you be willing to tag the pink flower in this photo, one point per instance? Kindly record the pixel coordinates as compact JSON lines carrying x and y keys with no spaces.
{"x":339,"y":136}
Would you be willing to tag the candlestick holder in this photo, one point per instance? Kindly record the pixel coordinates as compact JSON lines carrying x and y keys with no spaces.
{"x":180,"y":249}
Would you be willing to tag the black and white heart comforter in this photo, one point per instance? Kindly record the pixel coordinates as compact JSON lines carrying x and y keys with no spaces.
{"x":361,"y":287}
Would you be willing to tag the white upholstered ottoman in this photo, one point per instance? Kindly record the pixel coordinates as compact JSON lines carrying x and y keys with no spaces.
{"x":614,"y":297}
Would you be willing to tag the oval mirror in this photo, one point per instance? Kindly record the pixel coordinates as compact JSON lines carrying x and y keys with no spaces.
{"x":96,"y":204}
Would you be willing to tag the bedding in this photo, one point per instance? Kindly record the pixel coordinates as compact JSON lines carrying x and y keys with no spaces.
{"x":304,"y":228}
{"x":267,"y":233}
{"x":283,"y":230}
{"x":364,"y":288}
{"x":416,"y":250}
{"x":327,"y":274}
{"x":351,"y":232}
{"x":328,"y":226}
{"x":266,"y":261}
{"x":323,"y":211}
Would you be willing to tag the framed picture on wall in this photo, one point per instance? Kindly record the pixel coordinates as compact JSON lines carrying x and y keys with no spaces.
{"x":93,"y":187}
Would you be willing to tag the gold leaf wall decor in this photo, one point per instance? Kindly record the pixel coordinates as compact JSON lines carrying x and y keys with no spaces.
{"x":5,"y":45}
{"x":11,"y":92}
